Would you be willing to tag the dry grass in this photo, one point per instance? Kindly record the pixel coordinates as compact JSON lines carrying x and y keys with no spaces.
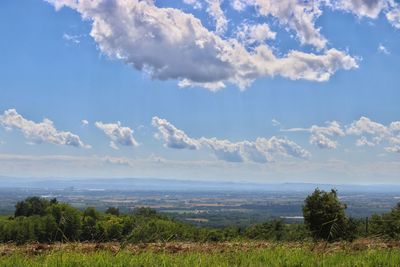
{"x":187,"y":247}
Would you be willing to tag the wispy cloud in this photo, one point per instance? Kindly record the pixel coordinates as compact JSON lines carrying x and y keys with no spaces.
{"x":71,"y":38}
{"x":321,"y":135}
{"x":276,"y":123}
{"x":196,"y":4}
{"x":383,"y":50}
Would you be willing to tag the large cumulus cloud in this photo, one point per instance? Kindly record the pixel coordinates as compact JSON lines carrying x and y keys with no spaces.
{"x":168,"y":43}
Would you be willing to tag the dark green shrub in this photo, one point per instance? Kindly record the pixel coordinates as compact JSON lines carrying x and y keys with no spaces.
{"x":324,"y":216}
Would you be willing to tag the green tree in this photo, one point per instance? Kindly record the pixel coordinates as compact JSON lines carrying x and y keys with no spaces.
{"x":272,"y":230}
{"x":67,"y":220}
{"x":112,"y":211}
{"x":387,"y":224}
{"x":90,"y":227}
{"x":145,"y":211}
{"x":31,"y":206}
{"x":324,"y":215}
{"x":112,"y":227}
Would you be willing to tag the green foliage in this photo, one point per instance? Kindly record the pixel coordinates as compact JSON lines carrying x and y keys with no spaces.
{"x":149,"y":226}
{"x":49,"y":221}
{"x":67,"y":220}
{"x":144,"y":211}
{"x":25,"y":229}
{"x":112,"y":211}
{"x":324,"y":216}
{"x":31,"y":206}
{"x":112,"y":228}
{"x":273,"y":230}
{"x":387,"y":224}
{"x":41,"y":220}
{"x":91,"y":229}
{"x":277,"y":230}
{"x":231,"y":233}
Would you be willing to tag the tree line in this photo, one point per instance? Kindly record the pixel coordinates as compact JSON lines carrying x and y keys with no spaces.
{"x":47,"y":221}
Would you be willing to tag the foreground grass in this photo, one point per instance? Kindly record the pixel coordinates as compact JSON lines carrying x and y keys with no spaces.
{"x":215,"y":255}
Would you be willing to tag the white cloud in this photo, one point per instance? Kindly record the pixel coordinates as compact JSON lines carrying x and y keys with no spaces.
{"x":361,"y":8}
{"x":173,"y":137}
{"x":299,"y":65}
{"x":39,"y":132}
{"x":215,"y":11}
{"x":72,"y":38}
{"x":265,"y":150}
{"x":195,"y":3}
{"x":238,"y":5}
{"x":322,"y":141}
{"x":212,"y":86}
{"x":370,"y":9}
{"x":224,"y":149}
{"x":281,"y":147}
{"x":299,"y":16}
{"x":170,"y":44}
{"x":393,"y":148}
{"x":395,"y":126}
{"x":254,"y":34}
{"x":377,"y":133}
{"x":276,"y":123}
{"x":261,"y":150}
{"x":118,"y":134}
{"x":363,"y":141}
{"x":371,"y":134}
{"x":320,"y":135}
{"x":382,"y":49}
{"x":84,"y":122}
{"x":366,"y":126}
{"x":393,"y":16}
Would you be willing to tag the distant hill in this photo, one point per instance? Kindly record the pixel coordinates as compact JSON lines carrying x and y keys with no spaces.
{"x":156,"y":184}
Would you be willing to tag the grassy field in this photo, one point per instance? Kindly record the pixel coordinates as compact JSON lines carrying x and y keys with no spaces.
{"x":361,"y":253}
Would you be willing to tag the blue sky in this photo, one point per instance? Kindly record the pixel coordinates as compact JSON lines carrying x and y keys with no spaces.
{"x":188,"y":110}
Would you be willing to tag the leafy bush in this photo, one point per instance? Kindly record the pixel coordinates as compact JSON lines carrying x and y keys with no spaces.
{"x":387,"y":224}
{"x":324,"y":216}
{"x":112,"y":211}
{"x":41,"y":220}
{"x":67,"y":220}
{"x":32,"y":206}
{"x":37,"y":219}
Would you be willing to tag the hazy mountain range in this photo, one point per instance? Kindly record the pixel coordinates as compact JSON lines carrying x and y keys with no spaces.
{"x":155,"y":184}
